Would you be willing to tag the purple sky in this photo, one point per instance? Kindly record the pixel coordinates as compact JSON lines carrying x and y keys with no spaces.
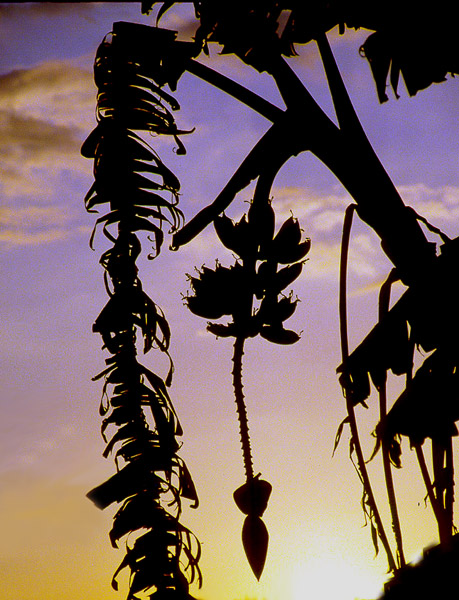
{"x":54,"y":542}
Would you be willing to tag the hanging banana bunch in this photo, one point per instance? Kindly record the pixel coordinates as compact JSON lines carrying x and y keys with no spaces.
{"x":233,"y":291}
{"x":139,"y":423}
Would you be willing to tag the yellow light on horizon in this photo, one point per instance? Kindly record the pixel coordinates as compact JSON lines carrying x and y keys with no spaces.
{"x":332,"y":578}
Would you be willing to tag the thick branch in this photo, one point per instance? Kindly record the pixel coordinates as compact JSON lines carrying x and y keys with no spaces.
{"x":238,"y":91}
{"x":295,"y":130}
{"x":278,"y":140}
{"x":345,"y":112}
{"x":346,"y":152}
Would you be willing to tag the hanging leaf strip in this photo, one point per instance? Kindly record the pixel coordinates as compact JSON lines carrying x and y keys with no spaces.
{"x":129,"y":175}
{"x":140,"y":426}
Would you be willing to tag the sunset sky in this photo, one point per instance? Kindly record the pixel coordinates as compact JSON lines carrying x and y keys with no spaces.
{"x":54,"y":543}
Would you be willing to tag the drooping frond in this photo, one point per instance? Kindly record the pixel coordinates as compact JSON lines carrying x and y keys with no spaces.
{"x":140,"y":425}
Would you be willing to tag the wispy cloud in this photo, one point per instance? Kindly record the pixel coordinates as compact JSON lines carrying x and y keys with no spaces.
{"x":45,"y":110}
{"x":440,"y":205}
{"x":27,"y":142}
{"x":180,"y":18}
{"x":324,"y":259}
{"x":57,"y":92}
{"x":40,"y":448}
{"x":35,"y":225}
{"x":32,"y":215}
{"x":321,"y":214}
{"x":317,"y":210}
{"x":31,"y":10}
{"x":45,"y":113}
{"x":323,"y":210}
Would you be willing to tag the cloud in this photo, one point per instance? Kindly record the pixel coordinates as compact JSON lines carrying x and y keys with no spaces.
{"x":324,"y":259}
{"x":318,"y":211}
{"x":180,"y":18}
{"x":30,"y":141}
{"x":44,"y":9}
{"x":321,"y":214}
{"x":438,"y":205}
{"x":375,"y":286}
{"x":57,"y":92}
{"x":32,"y":215}
{"x":26,"y":238}
{"x":39,"y":450}
{"x":35,"y":225}
{"x":324,"y":211}
{"x":45,"y":113}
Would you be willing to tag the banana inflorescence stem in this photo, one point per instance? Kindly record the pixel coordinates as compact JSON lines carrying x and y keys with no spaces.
{"x":241,"y":408}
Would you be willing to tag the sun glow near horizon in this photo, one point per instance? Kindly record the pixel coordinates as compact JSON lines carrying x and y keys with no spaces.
{"x":320,"y":567}
{"x":332,"y":578}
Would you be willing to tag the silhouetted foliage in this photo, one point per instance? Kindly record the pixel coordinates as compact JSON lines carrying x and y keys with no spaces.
{"x":142,"y":194}
{"x":434,"y":576}
{"x":131,"y":71}
{"x":234,"y":291}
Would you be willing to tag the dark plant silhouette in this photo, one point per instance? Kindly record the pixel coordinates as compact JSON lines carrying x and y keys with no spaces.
{"x":142,"y":193}
{"x":131,"y":71}
{"x":233,"y":291}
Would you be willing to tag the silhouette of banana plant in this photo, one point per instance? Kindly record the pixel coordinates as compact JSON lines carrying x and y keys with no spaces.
{"x":390,"y":346}
{"x":425,"y":316}
{"x":427,"y":408}
{"x":139,"y":424}
{"x":254,"y":278}
{"x":343,"y":149}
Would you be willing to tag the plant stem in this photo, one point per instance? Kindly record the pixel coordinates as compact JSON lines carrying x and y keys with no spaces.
{"x":449,"y":494}
{"x":390,"y":482}
{"x":384,"y":299}
{"x":346,"y":152}
{"x":352,"y":159}
{"x":276,"y":141}
{"x":349,"y":405}
{"x":241,"y":408}
{"x":434,"y":502}
{"x":348,"y":216}
{"x":442,"y":486}
{"x":238,"y":91}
